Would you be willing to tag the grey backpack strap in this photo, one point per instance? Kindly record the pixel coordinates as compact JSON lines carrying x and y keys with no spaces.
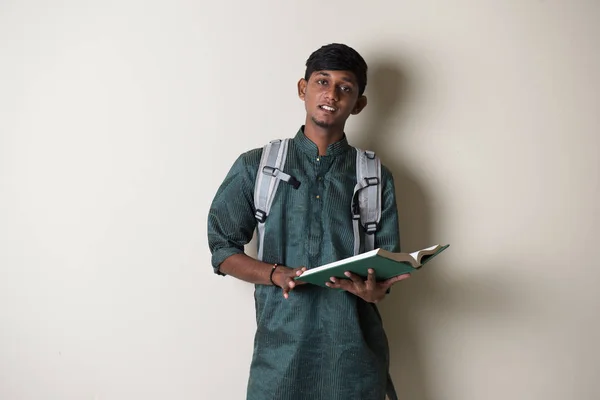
{"x":267,"y":180}
{"x":366,"y":201}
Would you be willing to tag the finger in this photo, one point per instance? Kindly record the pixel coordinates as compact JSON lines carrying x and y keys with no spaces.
{"x":395,"y":279}
{"x":333,"y":283}
{"x":299,"y":273}
{"x":371,"y":278}
{"x":357,"y":280}
{"x":287,"y":286}
{"x":344,"y":284}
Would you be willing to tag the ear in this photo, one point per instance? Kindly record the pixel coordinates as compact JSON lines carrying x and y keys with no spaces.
{"x":361,"y":103}
{"x":302,"y":88}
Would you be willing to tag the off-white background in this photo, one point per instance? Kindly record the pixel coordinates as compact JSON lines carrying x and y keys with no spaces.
{"x":118,"y":121}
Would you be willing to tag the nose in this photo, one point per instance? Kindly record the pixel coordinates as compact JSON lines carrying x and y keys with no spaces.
{"x":332,"y":93}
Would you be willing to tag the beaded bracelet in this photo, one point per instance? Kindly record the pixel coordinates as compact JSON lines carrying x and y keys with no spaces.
{"x":271,"y":275}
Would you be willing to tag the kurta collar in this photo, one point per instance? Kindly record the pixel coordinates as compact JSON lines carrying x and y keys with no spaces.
{"x":310,"y":148}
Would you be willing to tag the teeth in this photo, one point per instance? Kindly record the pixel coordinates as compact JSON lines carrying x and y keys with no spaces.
{"x":328,"y":108}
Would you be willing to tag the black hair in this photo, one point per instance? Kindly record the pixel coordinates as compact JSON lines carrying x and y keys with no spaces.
{"x":338,"y":57}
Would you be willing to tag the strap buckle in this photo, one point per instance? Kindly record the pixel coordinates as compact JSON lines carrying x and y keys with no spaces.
{"x":270,"y":171}
{"x":260,"y":216}
{"x":370,"y":227}
{"x":294,"y":182}
{"x":373,"y":181}
{"x":355,"y":210}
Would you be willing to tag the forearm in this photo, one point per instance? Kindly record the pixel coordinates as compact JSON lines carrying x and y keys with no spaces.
{"x":247,"y":269}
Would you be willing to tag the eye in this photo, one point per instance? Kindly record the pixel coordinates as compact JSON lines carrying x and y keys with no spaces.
{"x":346,"y":89}
{"x":322,"y":82}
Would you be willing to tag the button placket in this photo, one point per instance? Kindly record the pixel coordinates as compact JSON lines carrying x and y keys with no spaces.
{"x":316,"y":192}
{"x":320,"y":167}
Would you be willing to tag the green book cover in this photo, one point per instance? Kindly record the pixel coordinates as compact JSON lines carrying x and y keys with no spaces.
{"x":386,"y":265}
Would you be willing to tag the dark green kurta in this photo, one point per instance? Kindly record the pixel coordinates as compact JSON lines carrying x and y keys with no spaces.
{"x":320,"y":344}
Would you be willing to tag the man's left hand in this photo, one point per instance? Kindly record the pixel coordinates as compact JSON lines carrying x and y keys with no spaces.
{"x":369,"y":290}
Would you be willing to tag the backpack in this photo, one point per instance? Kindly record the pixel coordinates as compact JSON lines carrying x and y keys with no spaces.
{"x":366,"y":201}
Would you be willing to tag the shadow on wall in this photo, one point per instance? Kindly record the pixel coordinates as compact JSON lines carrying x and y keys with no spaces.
{"x":481,"y":298}
{"x":388,"y":88}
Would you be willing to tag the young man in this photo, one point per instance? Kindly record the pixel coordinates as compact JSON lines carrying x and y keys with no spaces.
{"x":312,"y":342}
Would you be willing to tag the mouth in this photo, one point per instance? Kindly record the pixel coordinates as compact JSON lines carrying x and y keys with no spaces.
{"x":327,"y":108}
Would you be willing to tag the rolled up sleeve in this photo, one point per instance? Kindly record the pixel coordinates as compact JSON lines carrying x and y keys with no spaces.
{"x":231,"y":221}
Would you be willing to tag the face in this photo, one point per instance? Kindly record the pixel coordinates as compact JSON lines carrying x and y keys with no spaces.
{"x":330,"y":97}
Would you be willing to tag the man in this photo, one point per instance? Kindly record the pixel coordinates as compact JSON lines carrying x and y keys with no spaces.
{"x":311,"y":342}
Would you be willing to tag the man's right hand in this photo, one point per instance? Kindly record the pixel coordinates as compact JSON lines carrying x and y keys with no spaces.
{"x":284,"y":278}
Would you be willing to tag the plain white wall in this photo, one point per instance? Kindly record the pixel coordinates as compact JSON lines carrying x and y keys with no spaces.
{"x":118,"y":121}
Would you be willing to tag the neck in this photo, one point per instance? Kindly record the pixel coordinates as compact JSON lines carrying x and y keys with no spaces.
{"x":323,"y":137}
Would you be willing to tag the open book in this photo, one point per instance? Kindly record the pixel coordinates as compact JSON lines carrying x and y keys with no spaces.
{"x":385,"y":263}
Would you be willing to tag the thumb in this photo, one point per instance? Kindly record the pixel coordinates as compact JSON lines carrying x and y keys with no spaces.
{"x":395,"y":279}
